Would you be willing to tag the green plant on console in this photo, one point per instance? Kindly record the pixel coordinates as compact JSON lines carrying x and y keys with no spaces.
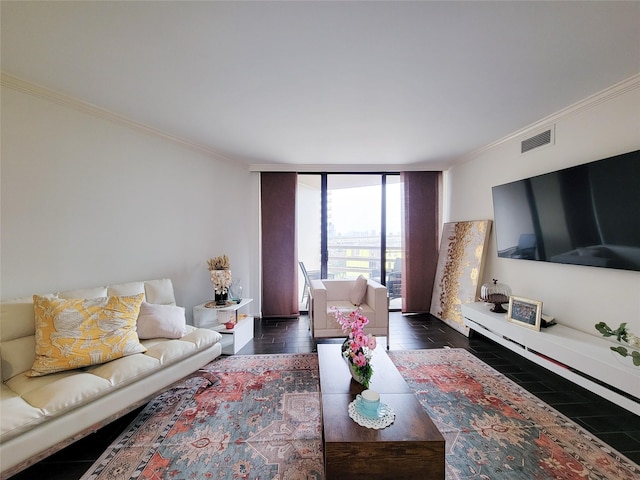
{"x":623,"y":334}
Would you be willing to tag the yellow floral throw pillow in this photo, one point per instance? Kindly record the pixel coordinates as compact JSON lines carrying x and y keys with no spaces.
{"x":74,"y":333}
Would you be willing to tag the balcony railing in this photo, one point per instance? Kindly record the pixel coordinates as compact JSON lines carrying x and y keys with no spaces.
{"x":347,"y":261}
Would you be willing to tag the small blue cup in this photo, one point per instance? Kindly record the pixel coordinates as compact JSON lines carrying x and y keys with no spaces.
{"x":369,"y":401}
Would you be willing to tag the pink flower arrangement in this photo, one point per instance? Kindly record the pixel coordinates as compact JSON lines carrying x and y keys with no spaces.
{"x":358,"y":348}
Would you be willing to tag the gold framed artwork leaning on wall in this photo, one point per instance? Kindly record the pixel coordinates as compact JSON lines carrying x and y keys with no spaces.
{"x":463,"y":249}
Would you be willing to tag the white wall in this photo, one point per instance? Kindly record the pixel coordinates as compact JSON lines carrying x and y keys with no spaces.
{"x":604,"y":125}
{"x":86,"y":201}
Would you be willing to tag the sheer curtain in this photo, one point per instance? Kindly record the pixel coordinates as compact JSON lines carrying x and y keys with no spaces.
{"x":421,"y":224}
{"x":279,"y":257}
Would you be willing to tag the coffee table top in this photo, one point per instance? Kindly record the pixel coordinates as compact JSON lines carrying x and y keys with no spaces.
{"x":335,"y":376}
{"x":411,"y":447}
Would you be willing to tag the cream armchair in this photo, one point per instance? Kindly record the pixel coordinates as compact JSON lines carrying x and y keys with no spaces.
{"x":325,"y":294}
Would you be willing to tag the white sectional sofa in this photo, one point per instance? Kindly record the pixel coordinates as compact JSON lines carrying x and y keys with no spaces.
{"x":40,"y":415}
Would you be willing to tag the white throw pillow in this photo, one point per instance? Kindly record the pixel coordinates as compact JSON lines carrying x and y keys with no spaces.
{"x":358,"y":291}
{"x":161,"y":321}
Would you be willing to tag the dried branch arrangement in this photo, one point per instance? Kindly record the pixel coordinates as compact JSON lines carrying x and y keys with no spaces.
{"x":219,"y":263}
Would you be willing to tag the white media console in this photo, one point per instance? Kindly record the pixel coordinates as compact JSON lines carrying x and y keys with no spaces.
{"x":586,"y":360}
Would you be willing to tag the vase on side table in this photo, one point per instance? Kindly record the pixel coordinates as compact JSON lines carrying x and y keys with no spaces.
{"x":221,"y":281}
{"x":221,"y":298}
{"x":235,"y":291}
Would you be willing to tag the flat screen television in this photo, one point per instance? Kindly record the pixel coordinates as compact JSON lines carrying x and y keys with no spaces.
{"x":583,"y":215}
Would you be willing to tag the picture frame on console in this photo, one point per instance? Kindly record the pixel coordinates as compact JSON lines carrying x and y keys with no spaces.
{"x":525,"y":312}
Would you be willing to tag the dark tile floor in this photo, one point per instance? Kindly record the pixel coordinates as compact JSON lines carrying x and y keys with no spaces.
{"x":612,"y":424}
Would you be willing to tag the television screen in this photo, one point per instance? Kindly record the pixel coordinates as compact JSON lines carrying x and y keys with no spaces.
{"x":583,"y":215}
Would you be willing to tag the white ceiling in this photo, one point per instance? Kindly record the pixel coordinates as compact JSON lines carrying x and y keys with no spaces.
{"x":327,"y":82}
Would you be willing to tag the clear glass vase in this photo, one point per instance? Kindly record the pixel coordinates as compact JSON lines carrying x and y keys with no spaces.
{"x":235,"y":291}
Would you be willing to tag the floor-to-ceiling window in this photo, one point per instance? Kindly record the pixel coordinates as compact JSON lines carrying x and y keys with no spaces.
{"x":308,"y":228}
{"x":350,"y":225}
{"x":393,"y":245}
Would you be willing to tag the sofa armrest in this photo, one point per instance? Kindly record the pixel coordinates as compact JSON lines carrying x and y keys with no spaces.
{"x":318,"y":289}
{"x":376,"y":295}
{"x":317,"y":305}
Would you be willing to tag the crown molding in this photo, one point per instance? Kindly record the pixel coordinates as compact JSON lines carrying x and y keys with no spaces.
{"x":591,"y":101}
{"x":343,"y":168}
{"x":44,"y":93}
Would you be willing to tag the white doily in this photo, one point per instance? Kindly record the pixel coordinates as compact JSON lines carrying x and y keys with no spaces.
{"x":385,"y":418}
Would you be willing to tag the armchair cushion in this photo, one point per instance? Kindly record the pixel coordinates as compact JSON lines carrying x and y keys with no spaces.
{"x":358,"y":291}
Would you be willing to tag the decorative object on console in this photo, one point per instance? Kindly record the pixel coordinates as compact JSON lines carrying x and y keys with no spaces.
{"x":547,"y":321}
{"x":525,"y":312}
{"x":623,"y":334}
{"x":358,"y":348}
{"x":220,"y":277}
{"x":462,"y":251}
{"x":496,"y":293}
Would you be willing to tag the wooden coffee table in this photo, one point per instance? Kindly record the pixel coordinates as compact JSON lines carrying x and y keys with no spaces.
{"x":411,"y":447}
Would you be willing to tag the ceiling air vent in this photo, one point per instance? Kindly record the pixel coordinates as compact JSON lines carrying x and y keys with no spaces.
{"x":536,"y":141}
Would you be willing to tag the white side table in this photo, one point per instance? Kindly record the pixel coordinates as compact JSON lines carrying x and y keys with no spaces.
{"x":232,"y":339}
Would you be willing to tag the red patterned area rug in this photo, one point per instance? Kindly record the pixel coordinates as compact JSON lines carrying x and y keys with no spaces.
{"x":258,"y":417}
{"x":240,"y":417}
{"x":494,"y":429}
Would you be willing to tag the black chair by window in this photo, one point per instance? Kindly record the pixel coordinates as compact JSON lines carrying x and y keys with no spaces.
{"x":394,"y":280}
{"x":308,"y":276}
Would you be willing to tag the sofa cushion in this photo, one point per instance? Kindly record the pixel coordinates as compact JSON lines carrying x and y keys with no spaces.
{"x":168,"y":351}
{"x":129,"y":288}
{"x":160,"y":291}
{"x":74,"y":333}
{"x":166,"y":321}
{"x":200,"y":337}
{"x":126,"y":369}
{"x":16,"y":318}
{"x":358,"y":291}
{"x":18,"y":356}
{"x":84,"y":293}
{"x":17,"y":415}
{"x":58,"y":392}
